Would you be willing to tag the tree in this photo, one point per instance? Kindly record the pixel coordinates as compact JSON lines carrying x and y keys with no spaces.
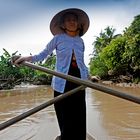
{"x":120,"y":53}
{"x":104,"y":39}
{"x":97,"y":66}
{"x":112,"y":56}
{"x":132,"y":47}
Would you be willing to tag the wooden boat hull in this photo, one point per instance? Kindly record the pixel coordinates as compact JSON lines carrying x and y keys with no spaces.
{"x":89,"y":137}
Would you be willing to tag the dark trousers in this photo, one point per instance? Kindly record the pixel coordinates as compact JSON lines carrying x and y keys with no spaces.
{"x":71,"y":112}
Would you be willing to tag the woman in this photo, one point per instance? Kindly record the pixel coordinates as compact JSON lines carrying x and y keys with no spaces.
{"x":67,"y":27}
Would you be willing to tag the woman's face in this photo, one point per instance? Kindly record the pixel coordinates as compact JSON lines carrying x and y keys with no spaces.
{"x":71,"y":23}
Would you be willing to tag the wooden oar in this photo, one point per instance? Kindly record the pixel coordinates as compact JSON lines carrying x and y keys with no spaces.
{"x":86,"y":83}
{"x":38,"y":108}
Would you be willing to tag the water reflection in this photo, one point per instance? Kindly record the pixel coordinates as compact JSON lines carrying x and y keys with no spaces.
{"x":120,"y":118}
{"x":108,"y":117}
{"x":15,"y":102}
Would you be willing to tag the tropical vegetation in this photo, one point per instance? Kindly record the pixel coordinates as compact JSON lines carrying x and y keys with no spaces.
{"x":117,"y":55}
{"x":11,"y":75}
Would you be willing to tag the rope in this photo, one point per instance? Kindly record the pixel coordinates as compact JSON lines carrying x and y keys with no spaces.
{"x":38,"y":108}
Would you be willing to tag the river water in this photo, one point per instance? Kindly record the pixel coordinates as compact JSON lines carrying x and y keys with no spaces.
{"x":108,"y":117}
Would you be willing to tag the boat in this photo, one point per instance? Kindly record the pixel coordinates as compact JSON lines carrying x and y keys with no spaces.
{"x":89,"y":137}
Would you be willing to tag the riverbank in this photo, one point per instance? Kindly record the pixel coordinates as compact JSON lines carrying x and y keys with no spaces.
{"x":115,"y":83}
{"x":129,"y":85}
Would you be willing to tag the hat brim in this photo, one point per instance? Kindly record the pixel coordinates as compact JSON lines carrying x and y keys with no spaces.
{"x":56,"y":20}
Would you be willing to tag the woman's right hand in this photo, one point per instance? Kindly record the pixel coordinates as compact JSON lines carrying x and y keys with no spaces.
{"x":21,"y":59}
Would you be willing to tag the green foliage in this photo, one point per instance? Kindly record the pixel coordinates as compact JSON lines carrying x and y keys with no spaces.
{"x":134,"y":28}
{"x":97,"y":64}
{"x":97,"y":67}
{"x":14,"y":75}
{"x":132,"y":47}
{"x":112,"y":54}
{"x":49,"y":63}
{"x":136,"y":80}
{"x":42,"y":77}
{"x":104,"y":39}
{"x":6,"y":68}
{"x":120,"y":54}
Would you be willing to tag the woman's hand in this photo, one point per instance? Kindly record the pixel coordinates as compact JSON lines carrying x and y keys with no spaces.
{"x":17,"y":61}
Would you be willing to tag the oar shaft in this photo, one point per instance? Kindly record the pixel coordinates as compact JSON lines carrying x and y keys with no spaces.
{"x":38,"y":108}
{"x":86,"y":83}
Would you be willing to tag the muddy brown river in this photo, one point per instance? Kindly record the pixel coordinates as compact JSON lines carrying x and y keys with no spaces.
{"x":108,"y":117}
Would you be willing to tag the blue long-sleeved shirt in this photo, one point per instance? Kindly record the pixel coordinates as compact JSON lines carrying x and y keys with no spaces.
{"x":64,"y":45}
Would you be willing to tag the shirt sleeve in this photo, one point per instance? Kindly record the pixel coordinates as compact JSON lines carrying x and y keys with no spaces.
{"x":47,"y":51}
